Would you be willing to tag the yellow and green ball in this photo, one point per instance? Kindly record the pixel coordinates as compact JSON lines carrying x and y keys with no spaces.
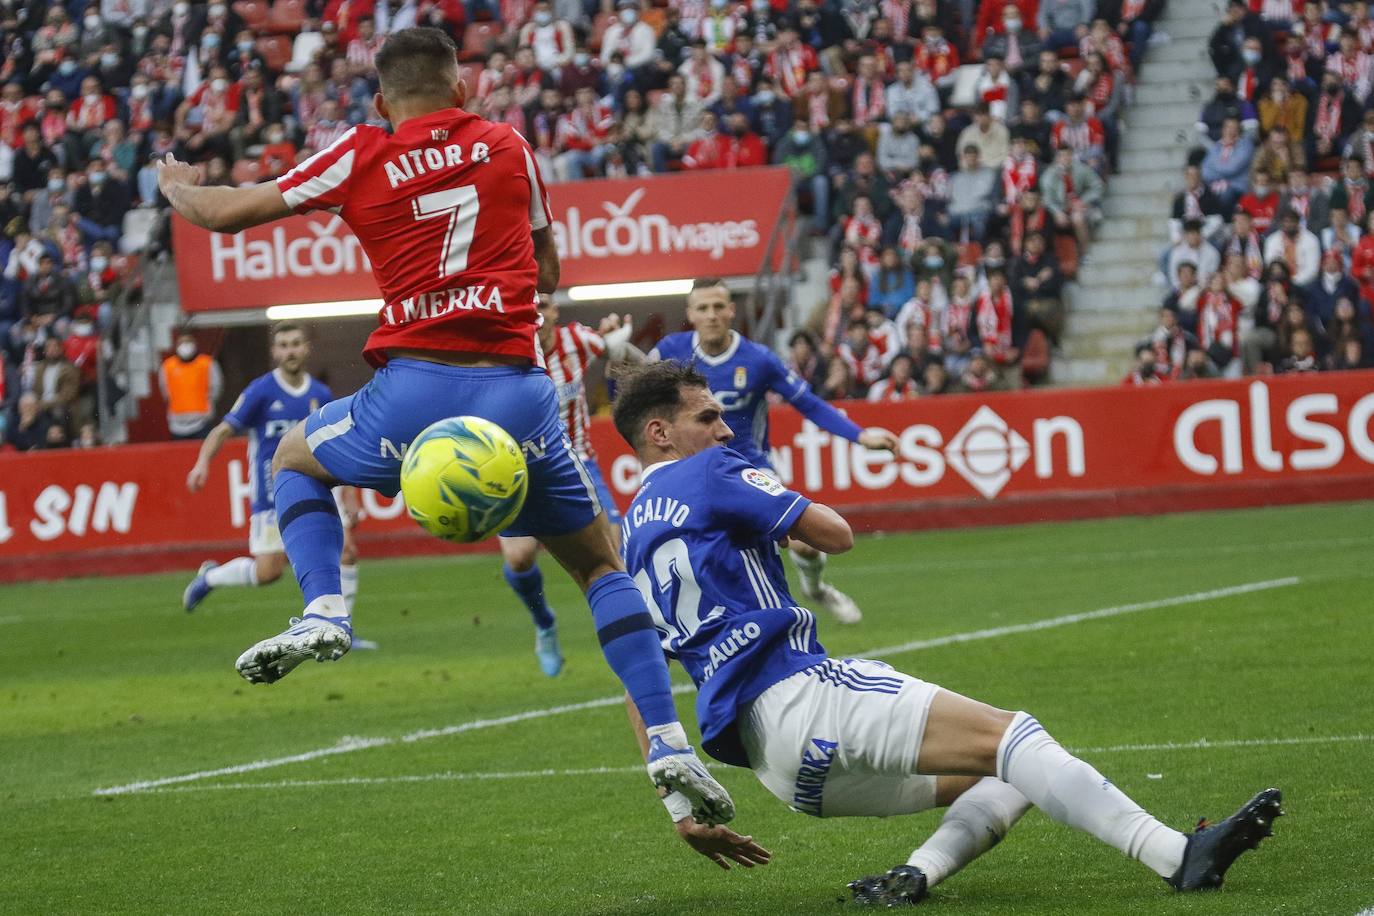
{"x":464,"y":479}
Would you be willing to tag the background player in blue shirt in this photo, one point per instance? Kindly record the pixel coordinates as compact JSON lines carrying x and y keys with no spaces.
{"x":741,"y":373}
{"x":266,"y":411}
{"x":842,"y":737}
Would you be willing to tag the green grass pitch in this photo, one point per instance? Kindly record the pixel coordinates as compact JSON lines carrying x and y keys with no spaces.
{"x":104,"y":683}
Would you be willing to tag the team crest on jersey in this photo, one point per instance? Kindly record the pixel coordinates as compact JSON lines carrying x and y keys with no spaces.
{"x":314,"y":404}
{"x":741,"y":377}
{"x":761,"y":481}
{"x":439,"y":133}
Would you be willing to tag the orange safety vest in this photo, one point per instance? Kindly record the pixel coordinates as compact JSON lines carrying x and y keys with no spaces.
{"x":188,"y":384}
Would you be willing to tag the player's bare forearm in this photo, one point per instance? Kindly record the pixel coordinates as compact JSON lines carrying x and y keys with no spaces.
{"x":200,"y":471}
{"x":546,"y":257}
{"x":213,"y":443}
{"x":823,"y":528}
{"x":218,"y":209}
{"x":230,"y":210}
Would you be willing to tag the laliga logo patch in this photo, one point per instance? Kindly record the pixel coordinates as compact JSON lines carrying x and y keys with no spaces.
{"x":761,"y":481}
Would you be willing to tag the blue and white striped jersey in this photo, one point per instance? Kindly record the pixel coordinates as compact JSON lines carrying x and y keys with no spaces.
{"x":267,"y":410}
{"x":700,"y":541}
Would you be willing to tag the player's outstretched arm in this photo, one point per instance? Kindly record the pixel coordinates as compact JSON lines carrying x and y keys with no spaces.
{"x":822,"y":528}
{"x":200,"y":471}
{"x":720,"y":844}
{"x":218,"y":209}
{"x":824,"y":415}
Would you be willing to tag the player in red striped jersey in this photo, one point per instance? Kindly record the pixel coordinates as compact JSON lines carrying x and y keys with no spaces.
{"x":569,"y":351}
{"x":452,"y":213}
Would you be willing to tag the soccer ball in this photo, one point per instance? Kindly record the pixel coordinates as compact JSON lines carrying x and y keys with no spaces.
{"x":464,"y":479}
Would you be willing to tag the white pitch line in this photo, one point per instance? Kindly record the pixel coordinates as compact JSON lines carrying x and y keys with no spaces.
{"x":1205,"y":744}
{"x":1067,"y":619}
{"x":348,"y":745}
{"x":479,"y":776}
{"x":345,"y":746}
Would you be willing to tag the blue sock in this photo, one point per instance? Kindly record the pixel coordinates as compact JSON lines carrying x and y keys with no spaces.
{"x":313,"y":534}
{"x":630,"y":644}
{"x":529,"y":585}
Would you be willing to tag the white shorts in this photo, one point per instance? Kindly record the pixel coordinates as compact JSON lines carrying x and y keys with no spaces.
{"x":841,"y":739}
{"x":263,"y":535}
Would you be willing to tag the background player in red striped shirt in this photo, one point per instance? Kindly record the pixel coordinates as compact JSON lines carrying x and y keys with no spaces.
{"x":569,"y":351}
{"x":451,"y":211}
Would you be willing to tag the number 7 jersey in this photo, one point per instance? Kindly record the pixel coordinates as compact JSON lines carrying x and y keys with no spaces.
{"x":443,"y":208}
{"x":700,"y":542}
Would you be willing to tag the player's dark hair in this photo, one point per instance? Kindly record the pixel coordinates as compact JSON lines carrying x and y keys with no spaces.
{"x":649,"y":391}
{"x":416,"y":63}
{"x":706,"y":283}
{"x":286,"y":327}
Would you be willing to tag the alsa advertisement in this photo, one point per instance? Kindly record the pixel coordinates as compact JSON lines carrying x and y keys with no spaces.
{"x":713,"y":224}
{"x":961,"y":460}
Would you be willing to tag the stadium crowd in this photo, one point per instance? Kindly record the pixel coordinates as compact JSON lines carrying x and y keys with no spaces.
{"x":1270,"y":262}
{"x":950,"y":153}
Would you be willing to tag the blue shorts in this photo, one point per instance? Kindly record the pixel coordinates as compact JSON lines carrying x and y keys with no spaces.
{"x":603,"y":492}
{"x":361,"y":439}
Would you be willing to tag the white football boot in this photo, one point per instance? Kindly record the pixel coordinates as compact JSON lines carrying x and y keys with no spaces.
{"x":324,"y":639}
{"x":840,"y":605}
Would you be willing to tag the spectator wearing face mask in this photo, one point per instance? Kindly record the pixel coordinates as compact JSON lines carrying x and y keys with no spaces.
{"x":101,"y":204}
{"x":203,"y":121}
{"x":805,"y":155}
{"x":551,"y":38}
{"x":1019,"y":46}
{"x":190,"y":382}
{"x":57,"y":383}
{"x":629,"y":35}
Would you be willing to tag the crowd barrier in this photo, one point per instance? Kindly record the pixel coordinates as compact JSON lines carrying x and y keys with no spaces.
{"x":963,"y":460}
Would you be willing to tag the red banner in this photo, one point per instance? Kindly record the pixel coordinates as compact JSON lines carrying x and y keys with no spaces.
{"x":962,"y":460}
{"x":667,"y":227}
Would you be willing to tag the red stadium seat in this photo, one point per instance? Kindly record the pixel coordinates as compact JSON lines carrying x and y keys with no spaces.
{"x":1035,"y":358}
{"x":600,"y":24}
{"x":287,"y":17}
{"x":478,"y":40}
{"x":246,"y":171}
{"x":275,"y":51}
{"x":254,"y":14}
{"x":1066,"y":252}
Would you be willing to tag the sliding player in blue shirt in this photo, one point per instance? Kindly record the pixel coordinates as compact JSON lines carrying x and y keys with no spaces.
{"x":842,"y":737}
{"x":741,"y":373}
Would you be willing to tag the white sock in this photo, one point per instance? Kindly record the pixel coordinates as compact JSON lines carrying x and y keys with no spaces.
{"x":810,"y":569}
{"x":238,"y":571}
{"x":348,"y":584}
{"x":975,"y":823}
{"x":1074,"y":793}
{"x":327,"y":606}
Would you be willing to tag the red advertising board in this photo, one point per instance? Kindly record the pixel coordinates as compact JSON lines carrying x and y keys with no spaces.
{"x":667,"y":227}
{"x":962,"y":460}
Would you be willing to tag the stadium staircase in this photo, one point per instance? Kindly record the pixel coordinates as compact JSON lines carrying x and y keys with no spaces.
{"x":1115,"y":302}
{"x":144,"y":335}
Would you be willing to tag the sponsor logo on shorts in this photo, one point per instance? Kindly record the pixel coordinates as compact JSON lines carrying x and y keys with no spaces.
{"x":761,"y":481}
{"x":815,"y":767}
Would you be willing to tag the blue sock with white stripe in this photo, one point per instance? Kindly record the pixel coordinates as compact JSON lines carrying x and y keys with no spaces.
{"x":1074,"y":793}
{"x":529,"y":586}
{"x":630,"y":644}
{"x":308,"y":519}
